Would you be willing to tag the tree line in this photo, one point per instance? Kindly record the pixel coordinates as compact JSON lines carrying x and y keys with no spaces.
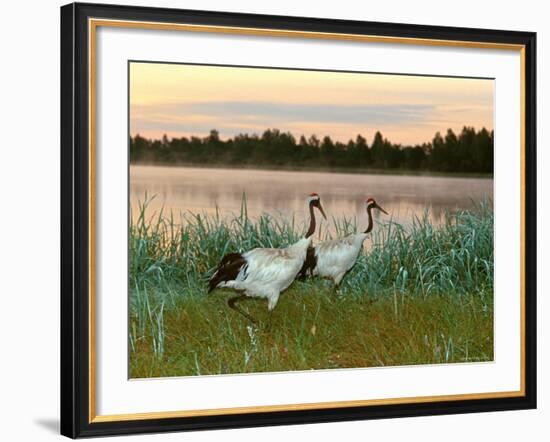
{"x":470,"y":151}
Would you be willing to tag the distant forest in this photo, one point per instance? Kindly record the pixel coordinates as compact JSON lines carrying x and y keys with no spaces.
{"x":470,"y":151}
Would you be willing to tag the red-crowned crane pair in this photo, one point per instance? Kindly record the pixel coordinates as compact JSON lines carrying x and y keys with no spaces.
{"x":266,"y":272}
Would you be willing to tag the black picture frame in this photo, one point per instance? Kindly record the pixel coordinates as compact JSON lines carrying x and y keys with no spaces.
{"x":75,"y":220}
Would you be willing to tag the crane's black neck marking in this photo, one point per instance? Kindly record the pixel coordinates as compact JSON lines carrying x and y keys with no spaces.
{"x":311,"y":229}
{"x":309,"y":264}
{"x":369,"y":212}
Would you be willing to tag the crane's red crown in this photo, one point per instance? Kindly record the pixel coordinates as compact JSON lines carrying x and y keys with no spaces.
{"x":370,"y":200}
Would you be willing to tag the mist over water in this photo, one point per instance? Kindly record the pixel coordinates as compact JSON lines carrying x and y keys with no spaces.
{"x":284,"y":193}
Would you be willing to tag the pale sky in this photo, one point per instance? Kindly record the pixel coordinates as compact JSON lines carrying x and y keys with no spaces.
{"x":184,"y":100}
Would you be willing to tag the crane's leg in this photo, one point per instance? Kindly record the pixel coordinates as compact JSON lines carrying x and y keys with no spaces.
{"x":232,"y":303}
{"x":338,"y":279}
{"x":272,"y":300}
{"x":268,"y":324}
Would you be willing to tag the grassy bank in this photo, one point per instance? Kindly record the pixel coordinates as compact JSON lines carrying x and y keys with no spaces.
{"x":418,"y":295}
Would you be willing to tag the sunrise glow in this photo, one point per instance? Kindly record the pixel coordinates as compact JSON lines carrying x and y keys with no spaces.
{"x":187,"y":100}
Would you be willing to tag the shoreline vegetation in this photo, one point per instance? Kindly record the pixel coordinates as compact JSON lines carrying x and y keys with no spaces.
{"x":417,"y":295}
{"x":469,"y":153}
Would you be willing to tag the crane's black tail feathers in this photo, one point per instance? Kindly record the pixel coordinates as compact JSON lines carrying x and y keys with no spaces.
{"x":227,"y":270}
{"x":309,"y":264}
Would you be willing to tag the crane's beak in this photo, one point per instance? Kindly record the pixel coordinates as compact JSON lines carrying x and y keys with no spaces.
{"x":381,"y":210}
{"x":321,"y":210}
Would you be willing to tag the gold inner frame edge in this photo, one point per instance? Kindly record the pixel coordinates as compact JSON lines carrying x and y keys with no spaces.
{"x":93,"y":24}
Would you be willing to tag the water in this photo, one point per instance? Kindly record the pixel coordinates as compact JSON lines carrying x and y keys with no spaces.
{"x":282,"y":193}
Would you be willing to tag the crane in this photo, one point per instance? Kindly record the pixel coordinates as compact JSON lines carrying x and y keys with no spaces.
{"x":333,"y":258}
{"x":264,"y":272}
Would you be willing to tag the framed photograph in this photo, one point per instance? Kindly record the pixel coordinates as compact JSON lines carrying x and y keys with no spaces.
{"x":274,"y":220}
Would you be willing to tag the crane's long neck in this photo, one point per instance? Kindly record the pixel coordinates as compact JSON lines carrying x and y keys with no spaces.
{"x":311,"y":229}
{"x":369,"y":213}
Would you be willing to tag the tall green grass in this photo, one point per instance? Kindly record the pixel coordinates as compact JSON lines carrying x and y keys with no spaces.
{"x":433,"y":282}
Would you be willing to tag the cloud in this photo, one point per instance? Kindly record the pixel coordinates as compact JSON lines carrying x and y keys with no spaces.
{"x":405,"y":123}
{"x":271,"y":113}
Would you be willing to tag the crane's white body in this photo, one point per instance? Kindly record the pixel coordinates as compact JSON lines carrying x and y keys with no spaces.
{"x":337,"y":256}
{"x":268,"y":272}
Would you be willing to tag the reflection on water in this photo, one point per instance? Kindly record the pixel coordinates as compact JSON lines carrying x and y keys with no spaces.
{"x":200,"y":190}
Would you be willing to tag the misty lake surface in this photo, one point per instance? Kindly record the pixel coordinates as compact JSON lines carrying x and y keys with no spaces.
{"x":284,"y":193}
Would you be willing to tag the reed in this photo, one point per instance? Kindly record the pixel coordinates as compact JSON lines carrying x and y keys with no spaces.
{"x":418,"y":294}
